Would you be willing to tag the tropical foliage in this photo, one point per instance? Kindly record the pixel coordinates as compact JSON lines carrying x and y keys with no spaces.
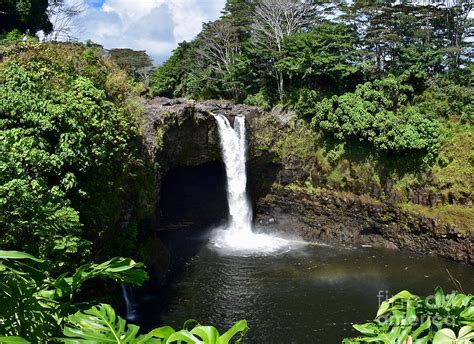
{"x":439,"y":319}
{"x":387,"y":74}
{"x":38,"y":307}
{"x":35,"y":303}
{"x":103,"y":325}
{"x":71,"y":155}
{"x":377,"y":112}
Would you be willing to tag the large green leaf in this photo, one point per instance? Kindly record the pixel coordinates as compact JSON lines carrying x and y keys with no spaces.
{"x":208,"y":334}
{"x":17,"y":255}
{"x":13,"y":340}
{"x":121,"y":270}
{"x":447,"y":336}
{"x":34,"y":304}
{"x":158,"y":333}
{"x":398,"y":317}
{"x":186,"y":337}
{"x":422,"y":328}
{"x":99,"y":325}
{"x":239,"y":327}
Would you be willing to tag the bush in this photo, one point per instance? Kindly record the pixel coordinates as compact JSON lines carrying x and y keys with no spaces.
{"x":379,"y":113}
{"x":37,"y":307}
{"x":69,"y":154}
{"x":259,"y":99}
{"x":435,"y":319}
{"x":448,"y":100}
{"x":34,"y":303}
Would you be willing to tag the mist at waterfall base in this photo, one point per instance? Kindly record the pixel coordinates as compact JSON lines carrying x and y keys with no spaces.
{"x":312,"y":294}
{"x":237,"y":236}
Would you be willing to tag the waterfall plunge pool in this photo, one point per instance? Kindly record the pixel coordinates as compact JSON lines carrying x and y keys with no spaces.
{"x":311,"y":294}
{"x":288,"y":292}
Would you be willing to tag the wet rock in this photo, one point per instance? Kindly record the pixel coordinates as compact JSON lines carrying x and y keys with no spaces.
{"x":351,"y":219}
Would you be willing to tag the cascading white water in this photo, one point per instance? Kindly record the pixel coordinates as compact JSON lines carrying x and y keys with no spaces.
{"x":233,"y":144}
{"x":128,"y":303}
{"x":238,"y":234}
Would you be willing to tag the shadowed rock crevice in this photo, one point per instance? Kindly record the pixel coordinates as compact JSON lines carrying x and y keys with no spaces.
{"x":193,"y":197}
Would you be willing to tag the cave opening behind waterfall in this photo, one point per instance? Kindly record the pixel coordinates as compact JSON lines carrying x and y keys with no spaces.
{"x":194,"y":197}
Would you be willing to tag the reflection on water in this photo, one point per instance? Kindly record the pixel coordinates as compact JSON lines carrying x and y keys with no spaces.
{"x":309,"y":295}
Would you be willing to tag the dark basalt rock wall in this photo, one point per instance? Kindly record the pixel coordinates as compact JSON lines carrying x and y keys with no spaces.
{"x":349,"y":219}
{"x":182,"y":133}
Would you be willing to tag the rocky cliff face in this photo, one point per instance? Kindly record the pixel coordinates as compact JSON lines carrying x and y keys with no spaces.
{"x":297,"y":187}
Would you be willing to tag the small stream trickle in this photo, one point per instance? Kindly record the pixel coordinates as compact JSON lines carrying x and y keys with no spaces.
{"x":129,"y":307}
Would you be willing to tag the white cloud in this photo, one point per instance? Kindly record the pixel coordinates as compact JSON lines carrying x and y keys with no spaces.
{"x":188,"y":17}
{"x":156,"y":26}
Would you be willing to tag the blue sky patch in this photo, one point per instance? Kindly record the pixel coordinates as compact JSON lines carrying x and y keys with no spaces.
{"x":95,"y":3}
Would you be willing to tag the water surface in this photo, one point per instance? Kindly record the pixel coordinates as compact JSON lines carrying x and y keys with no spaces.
{"x":308,"y":295}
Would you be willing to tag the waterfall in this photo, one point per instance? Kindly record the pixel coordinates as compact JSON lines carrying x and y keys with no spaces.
{"x":127,"y":296}
{"x":238,"y":234}
{"x":233,"y":144}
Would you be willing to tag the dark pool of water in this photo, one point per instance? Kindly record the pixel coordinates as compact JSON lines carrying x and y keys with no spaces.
{"x":309,"y":295}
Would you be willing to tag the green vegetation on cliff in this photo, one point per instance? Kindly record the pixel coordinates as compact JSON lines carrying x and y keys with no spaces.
{"x":71,"y":158}
{"x":391,"y":76}
{"x":383,"y":92}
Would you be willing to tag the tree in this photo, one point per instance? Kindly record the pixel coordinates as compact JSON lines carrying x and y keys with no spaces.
{"x":460,"y":30}
{"x":274,"y":20}
{"x":325,"y":54}
{"x":28,"y":16}
{"x":434,"y":36}
{"x":219,"y":45}
{"x":240,"y":13}
{"x":169,"y":80}
{"x":136,"y":62}
{"x":62,"y":14}
{"x":380,"y":113}
{"x":70,"y":154}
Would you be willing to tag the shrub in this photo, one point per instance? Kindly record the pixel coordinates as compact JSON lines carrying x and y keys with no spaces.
{"x":101,"y":324}
{"x":34,"y":303}
{"x":259,"y":99}
{"x":70,"y":150}
{"x":378,"y":113}
{"x":447,"y":99}
{"x":436,"y":318}
{"x":37,"y":307}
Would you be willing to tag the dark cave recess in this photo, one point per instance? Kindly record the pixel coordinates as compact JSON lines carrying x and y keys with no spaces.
{"x":194,"y":196}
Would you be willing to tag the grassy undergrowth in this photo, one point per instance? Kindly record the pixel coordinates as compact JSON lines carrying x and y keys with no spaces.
{"x":358,"y":168}
{"x":460,"y":216}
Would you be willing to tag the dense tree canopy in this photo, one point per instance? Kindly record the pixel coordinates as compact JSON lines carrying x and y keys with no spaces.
{"x":379,"y":113}
{"x":331,"y":59}
{"x":24,"y":15}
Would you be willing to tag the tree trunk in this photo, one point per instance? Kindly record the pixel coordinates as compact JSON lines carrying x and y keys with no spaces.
{"x":280,"y":81}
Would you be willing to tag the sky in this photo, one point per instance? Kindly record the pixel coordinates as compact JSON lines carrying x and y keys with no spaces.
{"x":156,"y":26}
